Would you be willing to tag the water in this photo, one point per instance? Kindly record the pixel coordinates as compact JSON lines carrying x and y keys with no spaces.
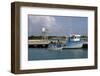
{"x":45,"y":54}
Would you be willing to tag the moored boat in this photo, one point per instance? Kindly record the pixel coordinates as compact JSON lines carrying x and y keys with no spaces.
{"x":56,"y":45}
{"x":55,"y":48}
{"x":74,"y":41}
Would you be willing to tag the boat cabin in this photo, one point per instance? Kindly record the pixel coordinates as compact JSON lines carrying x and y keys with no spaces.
{"x":75,"y":38}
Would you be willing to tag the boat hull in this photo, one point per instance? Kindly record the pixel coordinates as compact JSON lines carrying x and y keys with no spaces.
{"x":74,"y":45}
{"x":60,"y":48}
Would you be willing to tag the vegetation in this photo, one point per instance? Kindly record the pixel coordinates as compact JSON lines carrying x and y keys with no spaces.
{"x":49,"y":37}
{"x":84,"y":36}
{"x":35,"y":37}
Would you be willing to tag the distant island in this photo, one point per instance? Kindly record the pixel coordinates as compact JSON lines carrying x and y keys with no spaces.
{"x":49,"y":37}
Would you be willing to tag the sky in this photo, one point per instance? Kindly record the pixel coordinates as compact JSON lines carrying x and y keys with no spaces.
{"x":57,"y":25}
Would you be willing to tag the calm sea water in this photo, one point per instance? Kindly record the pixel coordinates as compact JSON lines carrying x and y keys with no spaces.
{"x":45,"y":54}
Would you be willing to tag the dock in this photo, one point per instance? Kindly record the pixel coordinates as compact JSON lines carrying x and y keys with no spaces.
{"x":38,"y":43}
{"x":85,"y":45}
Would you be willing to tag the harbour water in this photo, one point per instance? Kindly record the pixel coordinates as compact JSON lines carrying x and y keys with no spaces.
{"x":45,"y":54}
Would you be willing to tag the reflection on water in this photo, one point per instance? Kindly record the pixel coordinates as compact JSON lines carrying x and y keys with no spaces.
{"x":45,"y":54}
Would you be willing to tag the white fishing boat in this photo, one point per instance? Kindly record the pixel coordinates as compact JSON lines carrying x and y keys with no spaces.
{"x":55,"y":45}
{"x":55,"y":48}
{"x":74,"y":41}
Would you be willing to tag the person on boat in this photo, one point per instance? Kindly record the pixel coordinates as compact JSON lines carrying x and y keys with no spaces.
{"x":58,"y":43}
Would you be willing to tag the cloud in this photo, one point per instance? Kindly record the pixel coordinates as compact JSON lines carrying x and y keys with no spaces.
{"x":57,"y":25}
{"x":36,"y":23}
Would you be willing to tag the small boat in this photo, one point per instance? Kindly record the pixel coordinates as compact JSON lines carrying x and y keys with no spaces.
{"x":55,"y":46}
{"x":74,"y":41}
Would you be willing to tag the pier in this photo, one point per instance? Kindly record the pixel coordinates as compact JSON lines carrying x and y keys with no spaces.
{"x":38,"y":43}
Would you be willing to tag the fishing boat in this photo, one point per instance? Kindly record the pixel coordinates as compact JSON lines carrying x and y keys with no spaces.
{"x":55,"y":45}
{"x":74,"y":41}
{"x":55,"y":48}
